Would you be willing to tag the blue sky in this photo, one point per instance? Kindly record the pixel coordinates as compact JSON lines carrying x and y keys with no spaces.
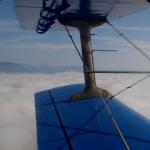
{"x":55,"y":48}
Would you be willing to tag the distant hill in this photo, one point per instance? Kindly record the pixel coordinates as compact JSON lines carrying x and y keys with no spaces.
{"x":20,"y":68}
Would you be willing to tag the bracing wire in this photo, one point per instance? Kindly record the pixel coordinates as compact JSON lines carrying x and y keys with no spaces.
{"x":128,"y":40}
{"x":78,"y":51}
{"x":130,"y":86}
{"x":116,"y":124}
{"x":138,"y":49}
{"x":61,"y":123}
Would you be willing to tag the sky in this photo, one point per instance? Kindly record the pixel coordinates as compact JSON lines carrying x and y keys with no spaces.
{"x":55,"y":48}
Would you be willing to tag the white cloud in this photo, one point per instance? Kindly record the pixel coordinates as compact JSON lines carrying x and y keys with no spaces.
{"x":40,"y":46}
{"x":146,"y":29}
{"x":17,"y":125}
{"x":145,"y":45}
{"x":48,"y":46}
{"x":128,"y":28}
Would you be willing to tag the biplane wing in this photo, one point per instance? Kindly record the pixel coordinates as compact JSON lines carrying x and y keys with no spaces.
{"x":28,"y":11}
{"x":87,"y":123}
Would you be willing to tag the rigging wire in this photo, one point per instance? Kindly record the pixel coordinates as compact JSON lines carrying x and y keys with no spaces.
{"x":74,"y":44}
{"x":128,"y":40}
{"x":138,"y":49}
{"x":115,"y":124}
{"x":61,"y":123}
{"x":130,"y":86}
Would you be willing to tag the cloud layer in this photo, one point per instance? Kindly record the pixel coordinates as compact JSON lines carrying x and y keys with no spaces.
{"x":17,"y":125}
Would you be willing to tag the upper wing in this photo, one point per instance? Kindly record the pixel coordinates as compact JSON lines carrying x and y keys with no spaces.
{"x":28,"y":11}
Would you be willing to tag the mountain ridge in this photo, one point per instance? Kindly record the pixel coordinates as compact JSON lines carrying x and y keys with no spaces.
{"x":8,"y":67}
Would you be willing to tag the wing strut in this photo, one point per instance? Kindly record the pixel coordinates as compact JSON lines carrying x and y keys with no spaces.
{"x":91,"y":90}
